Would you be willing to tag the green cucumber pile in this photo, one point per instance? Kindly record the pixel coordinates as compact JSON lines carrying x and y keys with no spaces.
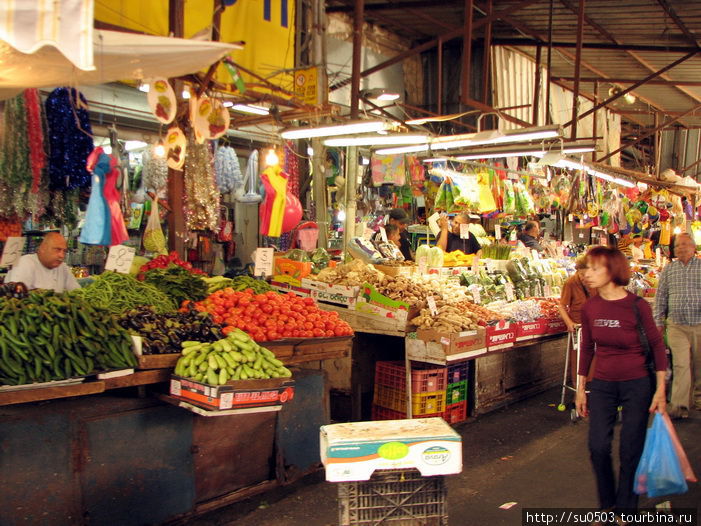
{"x":49,"y":336}
{"x":236,"y":357}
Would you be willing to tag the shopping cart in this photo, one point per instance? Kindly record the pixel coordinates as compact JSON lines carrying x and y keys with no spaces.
{"x":573,"y":339}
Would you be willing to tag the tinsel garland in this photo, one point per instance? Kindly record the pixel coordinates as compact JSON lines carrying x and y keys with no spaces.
{"x":35,"y":134}
{"x":15,"y":173}
{"x":155,"y":172}
{"x":292,"y":168}
{"x":201,"y":193}
{"x":70,"y":139}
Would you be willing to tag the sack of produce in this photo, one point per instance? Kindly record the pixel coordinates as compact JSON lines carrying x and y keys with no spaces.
{"x":154,"y":240}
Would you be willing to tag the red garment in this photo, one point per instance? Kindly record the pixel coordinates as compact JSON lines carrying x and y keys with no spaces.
{"x":612,"y":326}
{"x":118,"y":228}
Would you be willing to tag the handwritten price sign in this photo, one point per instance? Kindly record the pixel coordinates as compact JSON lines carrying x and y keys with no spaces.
{"x":119,"y":258}
{"x":14,"y":246}
{"x":264,"y":262}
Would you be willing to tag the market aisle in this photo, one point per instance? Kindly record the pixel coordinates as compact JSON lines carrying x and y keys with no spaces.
{"x":529,"y":454}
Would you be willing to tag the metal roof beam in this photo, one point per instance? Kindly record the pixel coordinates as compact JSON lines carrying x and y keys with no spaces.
{"x":678,"y":21}
{"x":524,"y":42}
{"x":615,"y":80}
{"x":394,"y":6}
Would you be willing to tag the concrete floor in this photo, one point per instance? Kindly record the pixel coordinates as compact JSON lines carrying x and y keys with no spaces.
{"x":528,"y":453}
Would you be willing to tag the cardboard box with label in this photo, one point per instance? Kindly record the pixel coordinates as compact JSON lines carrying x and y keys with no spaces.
{"x":428,"y":345}
{"x":555,"y":326}
{"x":287,"y":287}
{"x":290,"y":271}
{"x":236,"y":394}
{"x":353,"y":451}
{"x":331,"y":294}
{"x":502,"y":335}
{"x":529,"y":330}
{"x":372,"y":302}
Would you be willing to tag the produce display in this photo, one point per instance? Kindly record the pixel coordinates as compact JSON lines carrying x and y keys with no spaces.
{"x":236,"y":357}
{"x":164,"y":333}
{"x":448,"y":319}
{"x":448,"y":289}
{"x":177,"y":282}
{"x":457,"y":258}
{"x":352,"y":274}
{"x":484,"y":315}
{"x":548,"y":308}
{"x":14,"y":289}
{"x":496,"y":251}
{"x":272,"y":316}
{"x":432,"y":257}
{"x":118,"y":293}
{"x":523,"y":310}
{"x":48,"y":336}
{"x":164,"y":261}
{"x":492,"y":285}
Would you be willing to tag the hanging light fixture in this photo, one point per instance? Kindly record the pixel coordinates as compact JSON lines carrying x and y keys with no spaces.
{"x":377,"y":140}
{"x":348,"y":128}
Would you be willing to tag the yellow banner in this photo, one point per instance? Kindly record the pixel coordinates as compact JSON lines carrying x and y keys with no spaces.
{"x":266,"y":27}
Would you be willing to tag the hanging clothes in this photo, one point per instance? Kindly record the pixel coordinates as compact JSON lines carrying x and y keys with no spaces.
{"x":97,"y":227}
{"x":117,"y":227}
{"x":272,"y":210}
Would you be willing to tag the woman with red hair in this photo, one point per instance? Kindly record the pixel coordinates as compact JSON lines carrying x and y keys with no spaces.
{"x":612,"y":323}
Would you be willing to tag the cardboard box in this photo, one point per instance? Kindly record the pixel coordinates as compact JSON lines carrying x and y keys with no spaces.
{"x":237,"y":394}
{"x":283,"y":287}
{"x":530,"y":330}
{"x":428,"y":345}
{"x":555,"y":326}
{"x":353,"y":451}
{"x":502,"y":335}
{"x":291,"y":272}
{"x":398,"y":270}
{"x":372,"y":302}
{"x":331,"y":294}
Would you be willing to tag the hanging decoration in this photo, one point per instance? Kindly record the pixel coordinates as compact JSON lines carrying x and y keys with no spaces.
{"x":272,"y":209}
{"x":161,"y":100}
{"x":155,"y":171}
{"x":291,"y":167}
{"x":201,"y":194}
{"x":176,"y":144}
{"x":70,"y":139}
{"x":250,"y":184}
{"x":227,"y":170}
{"x":211,"y":118}
{"x":15,"y":172}
{"x":97,"y":227}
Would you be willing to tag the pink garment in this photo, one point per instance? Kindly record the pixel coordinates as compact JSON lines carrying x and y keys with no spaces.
{"x":266,"y":206}
{"x":118,"y":228}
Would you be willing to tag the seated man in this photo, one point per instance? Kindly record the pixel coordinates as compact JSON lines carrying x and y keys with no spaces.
{"x":45,"y":269}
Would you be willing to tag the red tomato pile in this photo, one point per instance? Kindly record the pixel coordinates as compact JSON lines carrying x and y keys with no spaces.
{"x":164,"y":261}
{"x":548,"y":306}
{"x":272,"y":316}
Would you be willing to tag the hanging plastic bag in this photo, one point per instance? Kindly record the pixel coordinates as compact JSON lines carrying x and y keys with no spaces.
{"x":154,"y":240}
{"x":659,"y":472}
{"x":683,"y":459}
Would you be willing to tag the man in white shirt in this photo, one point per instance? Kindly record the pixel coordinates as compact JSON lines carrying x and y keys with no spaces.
{"x":636,"y":248}
{"x":45,"y":269}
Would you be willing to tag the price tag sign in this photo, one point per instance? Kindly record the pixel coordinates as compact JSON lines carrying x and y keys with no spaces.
{"x":433,"y":223}
{"x":570,"y":218}
{"x":432,"y":305}
{"x":658,"y":256}
{"x":497,"y":231}
{"x":421,"y":262}
{"x":383,"y":234}
{"x":14,"y":246}
{"x":119,"y":259}
{"x":476,"y":297}
{"x":263,"y":262}
{"x":464,"y":231}
{"x":509,"y":289}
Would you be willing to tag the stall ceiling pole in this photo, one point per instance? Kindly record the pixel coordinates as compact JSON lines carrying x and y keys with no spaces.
{"x":609,"y":46}
{"x":577,"y":68}
{"x":632,"y":87}
{"x":594,"y":118}
{"x":358,"y":20}
{"x":687,"y":168}
{"x":439,"y":77}
{"x":615,"y":80}
{"x":678,"y":21}
{"x":318,"y":47}
{"x":548,"y":117}
{"x":450,"y":35}
{"x":650,"y":132}
{"x":466,"y":51}
{"x":486,"y":108}
{"x":351,"y":171}
{"x":658,"y":138}
{"x":176,"y":185}
{"x":536,"y":88}
{"x":486,"y":55}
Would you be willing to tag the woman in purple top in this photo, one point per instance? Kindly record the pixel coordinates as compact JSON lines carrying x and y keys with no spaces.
{"x":620,"y":376}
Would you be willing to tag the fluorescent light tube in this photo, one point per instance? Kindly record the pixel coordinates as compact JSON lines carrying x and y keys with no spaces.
{"x":403,"y":149}
{"x":250,"y":108}
{"x":338,"y":129}
{"x":372,"y":140}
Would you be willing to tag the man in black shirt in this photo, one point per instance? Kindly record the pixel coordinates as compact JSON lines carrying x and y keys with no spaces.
{"x":450,"y":240}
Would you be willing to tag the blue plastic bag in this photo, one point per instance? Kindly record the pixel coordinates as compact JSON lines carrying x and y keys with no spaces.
{"x":659,"y":472}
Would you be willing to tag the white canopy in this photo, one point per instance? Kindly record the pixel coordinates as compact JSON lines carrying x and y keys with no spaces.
{"x":117,"y":56}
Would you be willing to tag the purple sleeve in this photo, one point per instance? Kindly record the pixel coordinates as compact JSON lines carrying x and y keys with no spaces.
{"x":586,"y":344}
{"x":654,"y":337}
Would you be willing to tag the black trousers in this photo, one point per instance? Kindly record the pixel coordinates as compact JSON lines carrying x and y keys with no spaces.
{"x":604,"y":399}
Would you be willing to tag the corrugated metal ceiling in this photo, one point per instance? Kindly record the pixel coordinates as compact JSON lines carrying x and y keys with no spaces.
{"x":673,"y":26}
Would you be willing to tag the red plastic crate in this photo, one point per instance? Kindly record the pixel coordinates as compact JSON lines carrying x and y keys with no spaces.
{"x":456,"y":392}
{"x":424,"y":378}
{"x":382,"y":413}
{"x":457,"y":372}
{"x":455,"y":413}
{"x":421,"y":403}
{"x":390,"y":398}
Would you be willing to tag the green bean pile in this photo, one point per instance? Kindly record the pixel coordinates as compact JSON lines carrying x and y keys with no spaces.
{"x":120,"y":292}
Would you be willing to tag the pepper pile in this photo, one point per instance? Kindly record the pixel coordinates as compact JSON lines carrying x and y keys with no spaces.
{"x":164,"y":261}
{"x":177,"y":282}
{"x":272,"y":316}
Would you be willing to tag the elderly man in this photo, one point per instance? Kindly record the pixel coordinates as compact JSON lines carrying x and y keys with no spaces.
{"x":529,"y":236}
{"x":45,"y":269}
{"x":678,"y":301}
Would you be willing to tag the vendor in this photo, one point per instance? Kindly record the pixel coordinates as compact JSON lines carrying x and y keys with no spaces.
{"x":529,"y":236}
{"x":45,"y":269}
{"x":399,"y":217}
{"x":636,"y":248}
{"x":449,"y":238}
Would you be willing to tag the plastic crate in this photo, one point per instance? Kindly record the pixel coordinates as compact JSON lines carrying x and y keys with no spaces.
{"x":456,"y":413}
{"x":421,"y":403}
{"x":457,"y":372}
{"x":424,"y":378}
{"x":456,"y":392}
{"x":393,"y":497}
{"x":382,"y":413}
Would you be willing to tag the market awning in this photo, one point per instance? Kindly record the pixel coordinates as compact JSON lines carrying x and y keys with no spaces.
{"x":118,"y":56}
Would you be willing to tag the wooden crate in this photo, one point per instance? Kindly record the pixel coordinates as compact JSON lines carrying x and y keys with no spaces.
{"x":292,"y":352}
{"x":158,"y":361}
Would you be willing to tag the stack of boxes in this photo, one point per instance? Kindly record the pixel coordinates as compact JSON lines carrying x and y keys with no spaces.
{"x":435,"y":391}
